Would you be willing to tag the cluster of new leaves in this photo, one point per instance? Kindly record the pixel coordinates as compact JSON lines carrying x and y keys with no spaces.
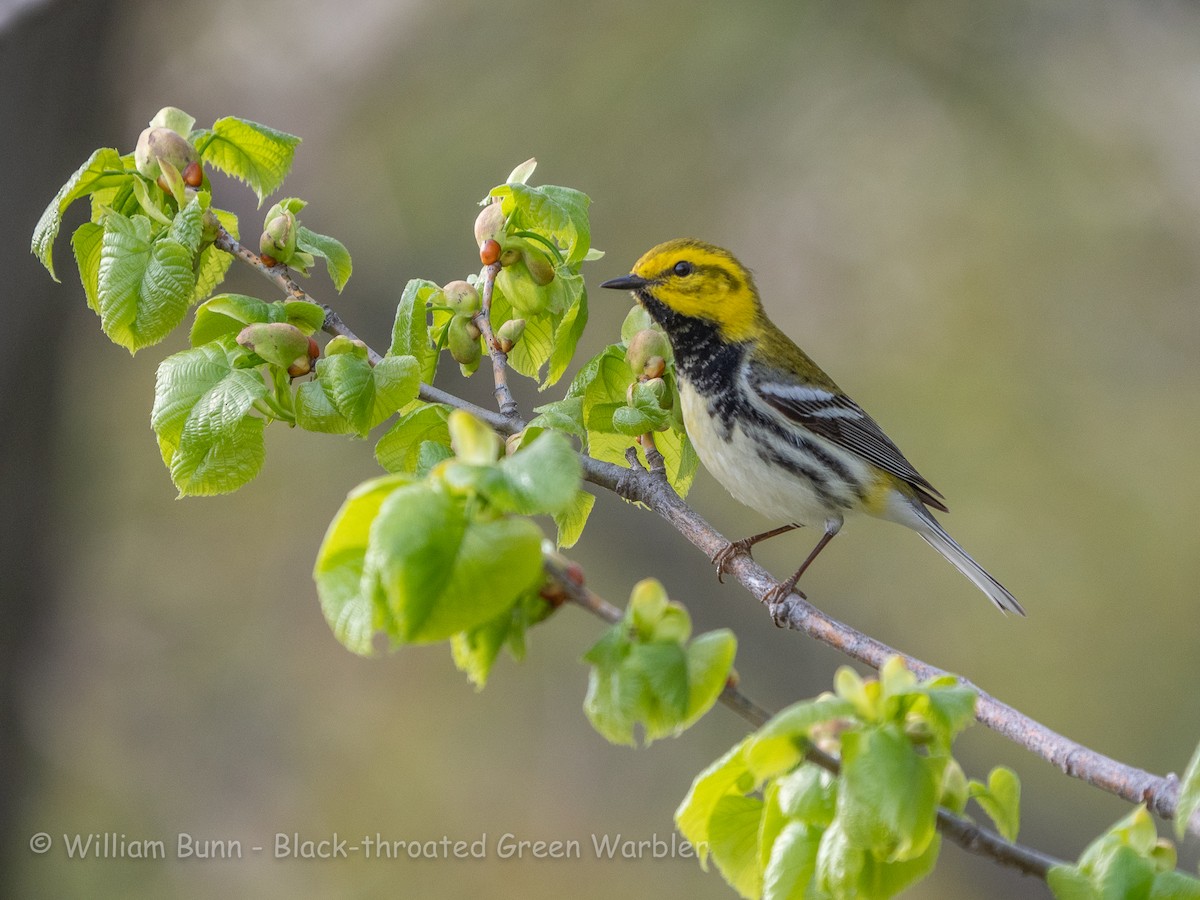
{"x":627,"y":390}
{"x":146,"y":254}
{"x":444,"y":552}
{"x":778,"y":826}
{"x":1129,"y":861}
{"x":646,"y":671}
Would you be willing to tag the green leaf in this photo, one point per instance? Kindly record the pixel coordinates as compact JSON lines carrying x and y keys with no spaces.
{"x":845,"y":870}
{"x":333,"y":251}
{"x":562,"y":415}
{"x":569,"y":329}
{"x":227,"y":314}
{"x":644,"y":673}
{"x":145,"y":284}
{"x":808,"y":793}
{"x":339,"y":567}
{"x":202,"y":405}
{"x":680,"y":458}
{"x":1174,"y":886}
{"x":357,"y":395}
{"x":727,"y":776}
{"x":778,"y":746}
{"x":637,"y":319}
{"x":558,"y":213}
{"x":570,"y":521}
{"x":475,"y":651}
{"x":174,"y":118}
{"x":410,"y":333}
{"x":709,"y":664}
{"x":661,"y":667}
{"x":631,"y":421}
{"x":214,"y":263}
{"x":103,"y":169}
{"x":610,"y":697}
{"x":792,"y":862}
{"x":253,"y":153}
{"x":1000,"y":798}
{"x":86,"y":242}
{"x":888,"y":798}
{"x":1128,"y":860}
{"x":440,"y":573}
{"x":541,"y":477}
{"x":536,"y":345}
{"x":1119,"y":874}
{"x":1189,"y":796}
{"x":523,"y":172}
{"x":605,"y":390}
{"x":399,"y":448}
{"x":733,"y":842}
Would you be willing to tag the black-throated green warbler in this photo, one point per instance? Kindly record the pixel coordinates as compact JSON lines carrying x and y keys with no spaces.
{"x":772,"y":427}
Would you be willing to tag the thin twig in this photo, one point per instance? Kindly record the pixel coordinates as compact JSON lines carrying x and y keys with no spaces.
{"x":657,"y":464}
{"x":281,"y":276}
{"x":483,"y":318}
{"x":961,"y":830}
{"x":1159,"y":793}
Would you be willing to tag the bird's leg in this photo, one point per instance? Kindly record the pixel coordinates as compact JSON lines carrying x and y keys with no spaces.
{"x":776,"y":594}
{"x":723,"y":557}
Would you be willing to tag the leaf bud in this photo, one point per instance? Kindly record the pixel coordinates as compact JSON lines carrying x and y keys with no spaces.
{"x":193,"y":174}
{"x":302,"y":365}
{"x":158,"y":144}
{"x":540,"y":269}
{"x":509,"y":333}
{"x":511,"y":256}
{"x":489,"y":252}
{"x":645,"y":344}
{"x":279,"y":237}
{"x":526,"y":297}
{"x":654,"y":367}
{"x":462,"y":298}
{"x":463,"y":347}
{"x":489,"y":225}
{"x":279,"y":343}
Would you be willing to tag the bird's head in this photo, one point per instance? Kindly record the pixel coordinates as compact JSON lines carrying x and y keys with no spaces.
{"x":696,"y":280}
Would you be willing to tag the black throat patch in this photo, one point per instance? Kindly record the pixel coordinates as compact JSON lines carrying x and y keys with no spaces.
{"x":705,"y":361}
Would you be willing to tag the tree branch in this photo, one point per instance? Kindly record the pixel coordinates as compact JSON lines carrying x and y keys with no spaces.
{"x":1159,"y":793}
{"x":499,"y":358}
{"x":971,"y":837}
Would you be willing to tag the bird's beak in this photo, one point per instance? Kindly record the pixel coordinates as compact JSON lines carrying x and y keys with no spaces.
{"x":626,"y":283}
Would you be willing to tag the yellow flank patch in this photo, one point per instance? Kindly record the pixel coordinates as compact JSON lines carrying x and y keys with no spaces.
{"x":701,"y":280}
{"x":876,"y":500}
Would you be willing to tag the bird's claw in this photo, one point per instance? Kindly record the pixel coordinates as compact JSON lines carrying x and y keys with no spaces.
{"x":724,"y":557}
{"x":776,"y":600}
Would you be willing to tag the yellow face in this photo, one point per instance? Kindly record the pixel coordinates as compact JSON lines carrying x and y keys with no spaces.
{"x":697,"y":279}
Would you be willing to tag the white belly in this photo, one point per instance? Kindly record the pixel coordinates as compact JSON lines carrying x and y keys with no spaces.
{"x":775,"y":491}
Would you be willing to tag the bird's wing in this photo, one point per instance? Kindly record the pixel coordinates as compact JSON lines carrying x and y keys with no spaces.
{"x":835,"y":417}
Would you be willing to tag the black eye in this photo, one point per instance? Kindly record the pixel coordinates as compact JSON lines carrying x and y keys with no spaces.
{"x":683,"y":268}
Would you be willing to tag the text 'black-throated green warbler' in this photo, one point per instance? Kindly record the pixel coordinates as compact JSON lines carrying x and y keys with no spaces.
{"x":769,"y":424}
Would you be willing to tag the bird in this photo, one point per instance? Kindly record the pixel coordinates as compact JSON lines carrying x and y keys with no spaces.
{"x":770,"y":425}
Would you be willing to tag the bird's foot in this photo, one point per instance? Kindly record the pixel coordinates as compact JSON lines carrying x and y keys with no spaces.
{"x":724,"y":557}
{"x":776,"y":600}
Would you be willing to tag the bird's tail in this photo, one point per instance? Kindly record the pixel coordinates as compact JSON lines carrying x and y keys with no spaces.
{"x":936,"y":536}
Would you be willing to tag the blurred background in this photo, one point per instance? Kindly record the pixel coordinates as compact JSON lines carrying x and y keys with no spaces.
{"x":983,"y":219}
